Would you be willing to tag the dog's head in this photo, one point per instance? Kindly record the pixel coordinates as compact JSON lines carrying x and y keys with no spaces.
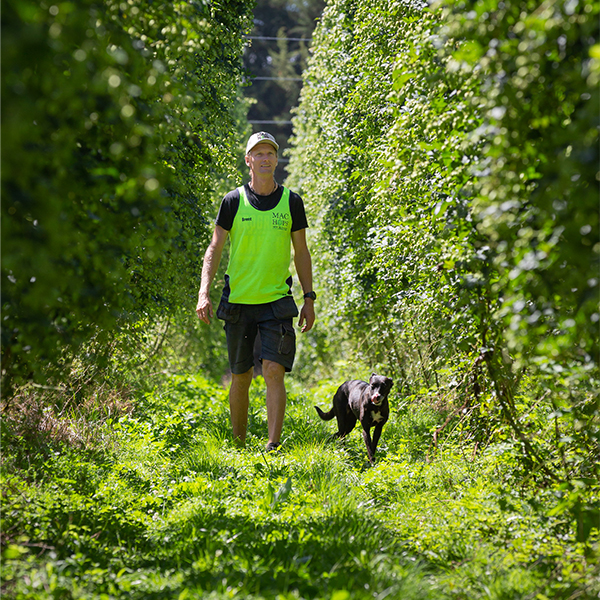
{"x":380,"y":388}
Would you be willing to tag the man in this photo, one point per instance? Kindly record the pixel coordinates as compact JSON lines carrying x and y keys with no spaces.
{"x":261,"y":219}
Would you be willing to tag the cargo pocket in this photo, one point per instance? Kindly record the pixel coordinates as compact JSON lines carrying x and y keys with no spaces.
{"x":287,"y":341}
{"x":228,"y":312}
{"x":284,"y":308}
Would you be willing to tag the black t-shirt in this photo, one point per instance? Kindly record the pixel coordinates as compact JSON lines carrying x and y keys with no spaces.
{"x":231,"y":203}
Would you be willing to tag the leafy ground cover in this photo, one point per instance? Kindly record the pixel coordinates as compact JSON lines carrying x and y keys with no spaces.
{"x":159,"y":503}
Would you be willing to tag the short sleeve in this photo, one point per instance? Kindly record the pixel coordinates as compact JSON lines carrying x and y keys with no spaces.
{"x":228,"y":210}
{"x":298,"y":212}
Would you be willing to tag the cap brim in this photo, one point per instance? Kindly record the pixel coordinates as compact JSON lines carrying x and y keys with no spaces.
{"x":263,"y":141}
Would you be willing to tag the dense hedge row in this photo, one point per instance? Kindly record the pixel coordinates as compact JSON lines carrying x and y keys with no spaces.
{"x":119,"y":124}
{"x":449,"y":154}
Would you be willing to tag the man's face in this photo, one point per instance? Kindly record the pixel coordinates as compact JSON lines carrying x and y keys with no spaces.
{"x":262,"y":159}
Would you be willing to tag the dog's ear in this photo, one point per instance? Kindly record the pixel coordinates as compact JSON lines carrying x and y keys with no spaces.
{"x":390,"y":383}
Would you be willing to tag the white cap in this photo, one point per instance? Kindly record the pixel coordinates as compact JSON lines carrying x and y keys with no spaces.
{"x":259,"y":138}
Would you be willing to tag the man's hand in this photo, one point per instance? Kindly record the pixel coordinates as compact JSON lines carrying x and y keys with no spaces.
{"x":204,"y":308}
{"x":307,"y":316}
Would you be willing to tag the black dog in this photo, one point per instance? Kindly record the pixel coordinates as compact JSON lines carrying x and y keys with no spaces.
{"x":367,"y":402}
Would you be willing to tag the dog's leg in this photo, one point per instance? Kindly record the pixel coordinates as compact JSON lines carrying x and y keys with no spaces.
{"x":376,"y":436}
{"x":368,"y":443}
{"x":346,"y":423}
{"x":345,"y":426}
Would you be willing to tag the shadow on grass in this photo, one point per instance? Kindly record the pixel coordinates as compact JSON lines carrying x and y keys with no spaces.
{"x":313,"y":556}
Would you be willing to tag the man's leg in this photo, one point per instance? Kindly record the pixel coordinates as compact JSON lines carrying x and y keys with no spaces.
{"x":274,"y":374}
{"x":238,"y":405}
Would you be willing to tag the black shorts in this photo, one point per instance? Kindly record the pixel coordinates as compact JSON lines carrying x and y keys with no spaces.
{"x":272,"y":320}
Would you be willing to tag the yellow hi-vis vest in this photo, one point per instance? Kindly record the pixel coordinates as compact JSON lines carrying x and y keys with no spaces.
{"x":259,"y":256}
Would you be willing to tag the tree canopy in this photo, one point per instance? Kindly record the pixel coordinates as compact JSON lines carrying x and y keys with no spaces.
{"x":119,"y":123}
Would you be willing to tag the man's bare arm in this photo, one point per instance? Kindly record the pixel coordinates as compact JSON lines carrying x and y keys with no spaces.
{"x":303,"y":264}
{"x":212,"y":258}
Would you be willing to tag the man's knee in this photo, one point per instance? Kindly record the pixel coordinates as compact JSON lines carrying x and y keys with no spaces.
{"x":273,"y":372}
{"x":242,"y":379}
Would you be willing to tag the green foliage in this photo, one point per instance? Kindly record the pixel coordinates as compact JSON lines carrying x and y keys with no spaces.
{"x":379,"y":228}
{"x":536,"y":196}
{"x":450,"y":153}
{"x":119,"y":128}
{"x":170,"y":508}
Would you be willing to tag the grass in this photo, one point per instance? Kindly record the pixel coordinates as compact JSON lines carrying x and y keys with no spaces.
{"x":169,"y":507}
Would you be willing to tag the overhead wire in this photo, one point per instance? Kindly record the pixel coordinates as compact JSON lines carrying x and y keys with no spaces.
{"x":266,"y":37}
{"x":258,"y":78}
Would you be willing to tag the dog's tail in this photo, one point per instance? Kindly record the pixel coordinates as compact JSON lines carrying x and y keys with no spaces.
{"x":325,"y":416}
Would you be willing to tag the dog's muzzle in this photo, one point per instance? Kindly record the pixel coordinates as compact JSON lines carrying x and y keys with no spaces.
{"x":376,"y":399}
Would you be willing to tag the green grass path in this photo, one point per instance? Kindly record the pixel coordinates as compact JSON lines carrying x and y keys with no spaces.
{"x":162,"y":505}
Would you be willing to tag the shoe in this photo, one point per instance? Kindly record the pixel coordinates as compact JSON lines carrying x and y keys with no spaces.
{"x":272,"y":447}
